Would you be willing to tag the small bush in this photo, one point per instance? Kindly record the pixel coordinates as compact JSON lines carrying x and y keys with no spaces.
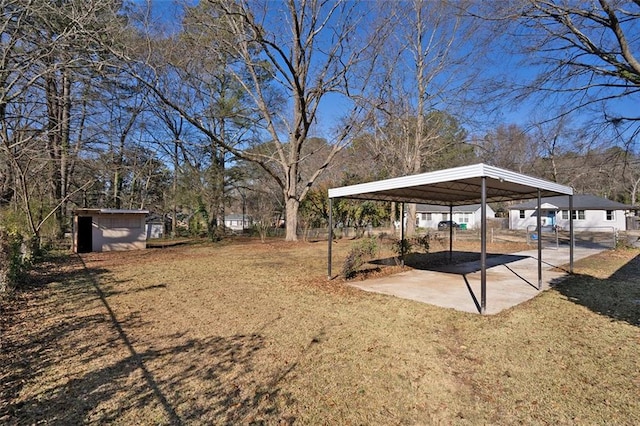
{"x":412,"y":245}
{"x":422,"y":242}
{"x":368,"y":246}
{"x":361,"y":252}
{"x":12,"y":260}
{"x":402,"y":247}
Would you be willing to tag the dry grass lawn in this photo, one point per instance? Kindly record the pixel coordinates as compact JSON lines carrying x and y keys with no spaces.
{"x":251,"y":333}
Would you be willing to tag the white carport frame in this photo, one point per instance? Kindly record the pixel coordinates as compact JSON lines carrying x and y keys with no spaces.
{"x":459,"y":186}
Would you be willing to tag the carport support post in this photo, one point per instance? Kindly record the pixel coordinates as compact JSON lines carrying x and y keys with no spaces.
{"x":539,"y":222}
{"x":483,"y":247}
{"x":571,"y":236}
{"x":451,"y":233}
{"x":402,"y":234}
{"x":330,"y":238}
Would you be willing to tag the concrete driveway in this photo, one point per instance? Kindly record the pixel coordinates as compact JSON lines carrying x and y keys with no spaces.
{"x":511,"y":280}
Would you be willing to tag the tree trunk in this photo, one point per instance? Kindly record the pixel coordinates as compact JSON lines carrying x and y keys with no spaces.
{"x":220,"y":189}
{"x":393,"y":217}
{"x":634,"y":191}
{"x":418,"y":146}
{"x":5,"y":261}
{"x":64,"y":154}
{"x":291,"y":224}
{"x":54,"y":137}
{"x":118,"y":181}
{"x":410,"y":229}
{"x":174,"y":201}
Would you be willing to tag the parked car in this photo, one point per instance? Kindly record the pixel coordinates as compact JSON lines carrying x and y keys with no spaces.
{"x":446,"y":224}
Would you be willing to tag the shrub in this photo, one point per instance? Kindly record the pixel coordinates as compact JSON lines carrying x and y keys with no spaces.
{"x":12,"y":260}
{"x":412,"y":245}
{"x":422,"y":242}
{"x":402,"y":247}
{"x":369,"y":246}
{"x":361,"y":251}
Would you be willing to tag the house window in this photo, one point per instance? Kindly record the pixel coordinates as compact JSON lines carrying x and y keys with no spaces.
{"x":464,"y":217}
{"x":521,"y":214}
{"x":565,"y":214}
{"x":428,"y":216}
{"x":580,"y":214}
{"x":610,"y":215}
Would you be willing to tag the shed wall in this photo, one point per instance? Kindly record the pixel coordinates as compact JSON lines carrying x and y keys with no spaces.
{"x":115,"y":232}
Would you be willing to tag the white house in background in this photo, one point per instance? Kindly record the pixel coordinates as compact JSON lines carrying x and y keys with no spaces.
{"x":428,"y":215}
{"x":591,"y":213}
{"x":235,"y":222}
{"x":109,"y":229}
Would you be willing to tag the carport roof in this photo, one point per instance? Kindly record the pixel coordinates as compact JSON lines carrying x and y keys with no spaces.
{"x":457,"y":186}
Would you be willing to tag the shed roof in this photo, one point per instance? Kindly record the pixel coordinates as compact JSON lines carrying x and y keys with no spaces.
{"x":79,"y":212}
{"x":454,"y":187}
{"x":580,"y":202}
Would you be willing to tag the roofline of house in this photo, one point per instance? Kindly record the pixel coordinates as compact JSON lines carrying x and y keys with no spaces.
{"x":109,"y":211}
{"x":580,"y":202}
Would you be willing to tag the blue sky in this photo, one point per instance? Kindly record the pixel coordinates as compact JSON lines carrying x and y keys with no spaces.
{"x":500,"y":62}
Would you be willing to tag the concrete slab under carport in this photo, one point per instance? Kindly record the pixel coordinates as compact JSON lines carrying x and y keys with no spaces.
{"x":511,"y":280}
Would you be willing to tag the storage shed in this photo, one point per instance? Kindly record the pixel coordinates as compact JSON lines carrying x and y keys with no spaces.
{"x":109,"y":230}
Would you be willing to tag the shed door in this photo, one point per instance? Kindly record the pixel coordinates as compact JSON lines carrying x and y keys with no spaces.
{"x":85,"y":237}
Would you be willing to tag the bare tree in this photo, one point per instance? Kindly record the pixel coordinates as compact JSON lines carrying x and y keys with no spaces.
{"x":510,"y":147}
{"x":425,"y":71}
{"x":311,"y":49}
{"x":635,"y":187}
{"x":169,"y":142}
{"x":583,"y":56}
{"x":265,"y":210}
{"x":629,"y":177}
{"x":289,"y":58}
{"x":50,"y":53}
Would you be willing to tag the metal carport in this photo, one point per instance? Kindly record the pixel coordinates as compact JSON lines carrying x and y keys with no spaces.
{"x":459,"y":186}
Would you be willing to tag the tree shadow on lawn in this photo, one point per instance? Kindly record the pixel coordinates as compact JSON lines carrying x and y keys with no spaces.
{"x":71,"y":272}
{"x":101,"y":375}
{"x":617,"y":296}
{"x":204,"y":388}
